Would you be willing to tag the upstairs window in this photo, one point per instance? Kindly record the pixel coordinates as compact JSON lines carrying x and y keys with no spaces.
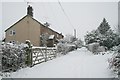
{"x":12,"y":32}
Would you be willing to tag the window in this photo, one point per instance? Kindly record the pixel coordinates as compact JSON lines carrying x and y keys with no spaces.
{"x":57,"y":35}
{"x":12,"y":32}
{"x":13,"y":42}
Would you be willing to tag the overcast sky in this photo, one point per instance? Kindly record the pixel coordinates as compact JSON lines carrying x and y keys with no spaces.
{"x":84,"y":16}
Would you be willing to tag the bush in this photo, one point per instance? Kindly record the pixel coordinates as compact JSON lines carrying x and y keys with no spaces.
{"x":13,"y":56}
{"x":114,"y":62}
{"x":63,"y":48}
{"x":91,"y":37}
{"x":69,"y":43}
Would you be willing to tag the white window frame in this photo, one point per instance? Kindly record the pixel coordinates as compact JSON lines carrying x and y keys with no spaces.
{"x":12,"y":32}
{"x":57,"y":35}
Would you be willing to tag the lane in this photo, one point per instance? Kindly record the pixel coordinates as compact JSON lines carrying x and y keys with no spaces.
{"x":77,"y":64}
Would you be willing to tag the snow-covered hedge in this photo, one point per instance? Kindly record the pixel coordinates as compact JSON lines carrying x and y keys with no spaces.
{"x":13,"y":56}
{"x":96,"y":48}
{"x":115,"y":61}
{"x":63,"y":48}
{"x":69,"y":43}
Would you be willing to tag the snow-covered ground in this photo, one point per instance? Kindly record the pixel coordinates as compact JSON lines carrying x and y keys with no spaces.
{"x":76,"y":64}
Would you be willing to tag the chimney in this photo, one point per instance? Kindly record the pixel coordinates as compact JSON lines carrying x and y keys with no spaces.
{"x":30,"y":11}
{"x":75,"y":33}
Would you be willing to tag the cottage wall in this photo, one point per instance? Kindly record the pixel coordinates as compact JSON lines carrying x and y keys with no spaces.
{"x":34,"y":32}
{"x":26,"y":29}
{"x":29,"y":29}
{"x":21,"y":32}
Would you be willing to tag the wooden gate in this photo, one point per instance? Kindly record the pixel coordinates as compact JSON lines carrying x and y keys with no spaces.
{"x":42,"y":54}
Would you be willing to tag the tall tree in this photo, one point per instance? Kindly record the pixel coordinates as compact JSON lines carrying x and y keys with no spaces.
{"x":104,"y":27}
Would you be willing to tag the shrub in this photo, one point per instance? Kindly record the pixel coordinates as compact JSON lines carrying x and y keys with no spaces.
{"x":114,"y":62}
{"x":63,"y":48}
{"x":13,"y":56}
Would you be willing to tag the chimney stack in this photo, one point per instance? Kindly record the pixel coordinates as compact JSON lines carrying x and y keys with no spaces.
{"x":30,"y":11}
{"x":75,"y":33}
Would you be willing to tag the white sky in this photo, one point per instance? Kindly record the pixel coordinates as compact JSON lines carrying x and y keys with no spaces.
{"x":84,"y":16}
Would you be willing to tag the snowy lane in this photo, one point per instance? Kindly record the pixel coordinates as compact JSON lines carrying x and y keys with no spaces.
{"x":77,"y":64}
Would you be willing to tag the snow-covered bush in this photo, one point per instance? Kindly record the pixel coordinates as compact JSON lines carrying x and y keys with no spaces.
{"x":96,"y":48}
{"x":93,"y":47}
{"x":78,"y":43}
{"x":115,"y":48}
{"x":63,"y":48}
{"x":101,"y":49}
{"x":114,"y":62}
{"x":91,"y":37}
{"x":13,"y":56}
{"x":69,"y":43}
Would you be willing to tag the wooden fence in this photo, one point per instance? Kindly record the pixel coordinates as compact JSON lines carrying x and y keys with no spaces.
{"x":42,"y":54}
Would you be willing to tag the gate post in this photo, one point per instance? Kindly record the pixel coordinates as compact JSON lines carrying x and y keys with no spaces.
{"x":29,"y":54}
{"x":45,"y":54}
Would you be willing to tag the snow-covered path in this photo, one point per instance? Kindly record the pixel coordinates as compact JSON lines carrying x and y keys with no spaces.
{"x":77,"y":64}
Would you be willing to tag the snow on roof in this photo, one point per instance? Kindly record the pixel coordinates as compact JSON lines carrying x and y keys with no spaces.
{"x":51,"y":36}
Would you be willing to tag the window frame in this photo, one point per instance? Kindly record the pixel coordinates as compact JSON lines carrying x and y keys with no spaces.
{"x":12,"y":32}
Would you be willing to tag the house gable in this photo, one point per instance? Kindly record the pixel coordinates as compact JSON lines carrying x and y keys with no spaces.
{"x":20,"y":29}
{"x":16,"y":23}
{"x":29,"y":28}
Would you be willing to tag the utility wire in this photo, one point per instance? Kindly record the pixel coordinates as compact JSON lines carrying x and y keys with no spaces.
{"x":54,"y":15}
{"x":28,"y":3}
{"x":65,"y":14}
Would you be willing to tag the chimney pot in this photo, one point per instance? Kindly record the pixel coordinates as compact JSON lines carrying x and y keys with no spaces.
{"x":30,"y":10}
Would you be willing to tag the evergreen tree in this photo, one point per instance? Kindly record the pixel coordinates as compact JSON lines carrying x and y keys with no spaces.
{"x":104,"y":27}
{"x":103,"y":35}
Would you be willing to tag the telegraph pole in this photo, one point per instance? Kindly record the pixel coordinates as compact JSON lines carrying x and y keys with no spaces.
{"x":75,"y":33}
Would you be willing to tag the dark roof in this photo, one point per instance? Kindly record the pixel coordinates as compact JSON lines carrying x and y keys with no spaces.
{"x":34,"y":20}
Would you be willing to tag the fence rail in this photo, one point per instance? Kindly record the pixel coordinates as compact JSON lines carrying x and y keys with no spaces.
{"x":42,"y":54}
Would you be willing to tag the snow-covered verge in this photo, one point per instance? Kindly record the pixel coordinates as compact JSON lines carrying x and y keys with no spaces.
{"x":77,"y":64}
